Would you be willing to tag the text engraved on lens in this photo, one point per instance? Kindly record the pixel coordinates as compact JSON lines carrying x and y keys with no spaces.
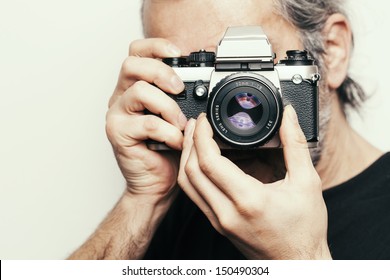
{"x":269,"y":124}
{"x":222,"y":128}
{"x":249,"y":84}
{"x":217,"y":115}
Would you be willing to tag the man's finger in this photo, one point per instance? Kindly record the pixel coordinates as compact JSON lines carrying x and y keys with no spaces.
{"x":142,"y":127}
{"x":154,"y":48}
{"x":229,"y":178}
{"x":143,"y":96}
{"x":295,"y":149}
{"x":185,"y":183}
{"x":148,"y":48}
{"x":151,"y":71}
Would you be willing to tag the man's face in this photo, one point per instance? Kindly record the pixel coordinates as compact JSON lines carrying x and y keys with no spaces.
{"x":200,"y":24}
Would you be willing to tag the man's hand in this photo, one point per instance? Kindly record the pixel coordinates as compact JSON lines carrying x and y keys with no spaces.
{"x":282,"y":220}
{"x":146,"y":172}
{"x":150,"y":176}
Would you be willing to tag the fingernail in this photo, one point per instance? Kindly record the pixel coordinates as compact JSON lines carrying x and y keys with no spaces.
{"x":177,"y":84}
{"x":173,"y":50}
{"x":182,"y":120}
{"x":189,"y":127}
{"x":202,"y":115}
{"x":292,"y":114}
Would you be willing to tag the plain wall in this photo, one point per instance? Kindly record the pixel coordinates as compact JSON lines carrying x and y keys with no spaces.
{"x":59,"y":62}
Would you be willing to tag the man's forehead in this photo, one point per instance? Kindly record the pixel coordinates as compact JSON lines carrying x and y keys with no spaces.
{"x":261,"y":8}
{"x":181,"y":22}
{"x":197,"y":14}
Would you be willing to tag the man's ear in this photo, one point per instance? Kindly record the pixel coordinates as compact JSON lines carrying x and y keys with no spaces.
{"x":338,"y":45}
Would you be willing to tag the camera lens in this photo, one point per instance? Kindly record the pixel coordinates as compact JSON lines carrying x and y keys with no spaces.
{"x":245,"y":110}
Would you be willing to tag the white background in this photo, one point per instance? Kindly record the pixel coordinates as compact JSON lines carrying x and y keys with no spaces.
{"x":59,"y":62}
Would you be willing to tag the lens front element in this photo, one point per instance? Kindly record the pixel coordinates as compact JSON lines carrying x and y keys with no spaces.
{"x":245,"y":110}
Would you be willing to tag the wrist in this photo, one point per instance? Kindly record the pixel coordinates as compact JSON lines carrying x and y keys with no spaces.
{"x":324,"y":253}
{"x":132,"y":198}
{"x":321,"y":253}
{"x":147,"y":210}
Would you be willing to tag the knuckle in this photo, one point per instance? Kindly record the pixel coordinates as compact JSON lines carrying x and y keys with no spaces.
{"x":151,"y":123}
{"x":133,"y":99}
{"x":205,"y":163}
{"x":228,"y":224}
{"x":250,"y":208}
{"x":163,"y":74}
{"x":127,"y":65}
{"x":196,"y":135}
{"x":133,"y":46}
{"x":181,"y":180}
{"x":190,"y":169}
{"x":301,"y":139}
{"x":112,"y":126}
{"x":138,"y":87}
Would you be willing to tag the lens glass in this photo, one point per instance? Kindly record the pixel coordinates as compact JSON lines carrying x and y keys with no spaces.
{"x":244,"y":111}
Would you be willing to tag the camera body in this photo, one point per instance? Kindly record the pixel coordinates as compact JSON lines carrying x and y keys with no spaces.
{"x":243,"y":92}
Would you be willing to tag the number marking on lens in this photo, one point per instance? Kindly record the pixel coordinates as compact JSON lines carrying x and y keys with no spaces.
{"x":270,"y":124}
{"x":249,"y":84}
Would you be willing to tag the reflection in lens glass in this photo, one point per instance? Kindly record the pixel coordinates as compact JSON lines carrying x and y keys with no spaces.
{"x":242,"y":120}
{"x":244,"y":111}
{"x":247,"y":100}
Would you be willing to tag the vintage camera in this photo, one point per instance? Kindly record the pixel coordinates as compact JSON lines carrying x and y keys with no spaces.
{"x":243,"y":92}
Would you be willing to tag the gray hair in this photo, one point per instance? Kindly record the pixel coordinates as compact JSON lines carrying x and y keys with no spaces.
{"x":309,"y":17}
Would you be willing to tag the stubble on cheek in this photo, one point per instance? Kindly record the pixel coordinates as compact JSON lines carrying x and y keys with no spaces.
{"x":325,"y":111}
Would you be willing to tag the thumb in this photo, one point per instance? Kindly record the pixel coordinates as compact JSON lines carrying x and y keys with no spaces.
{"x":296,"y":152}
